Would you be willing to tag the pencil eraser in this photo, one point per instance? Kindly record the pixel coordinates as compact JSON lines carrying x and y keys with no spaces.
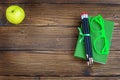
{"x":82,"y":13}
{"x":86,"y":12}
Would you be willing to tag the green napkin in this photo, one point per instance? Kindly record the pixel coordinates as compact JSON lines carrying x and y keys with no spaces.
{"x":97,"y":41}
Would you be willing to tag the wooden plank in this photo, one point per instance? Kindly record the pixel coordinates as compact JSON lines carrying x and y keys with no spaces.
{"x":43,"y":32}
{"x":80,"y":78}
{"x":57,"y":78}
{"x":18,"y":78}
{"x":54,"y":63}
{"x":42,"y":38}
{"x":61,"y":1}
{"x":63,"y":14}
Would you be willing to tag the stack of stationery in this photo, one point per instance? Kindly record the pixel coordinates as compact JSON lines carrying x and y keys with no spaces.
{"x":94,"y":40}
{"x":87,"y":38}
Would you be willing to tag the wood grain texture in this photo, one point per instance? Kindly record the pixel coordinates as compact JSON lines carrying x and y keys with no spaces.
{"x":18,"y":78}
{"x":44,"y":38}
{"x":54,"y":63}
{"x":80,"y":78}
{"x":61,"y":1}
{"x":64,"y":14}
{"x":57,"y":78}
{"x":42,"y":46}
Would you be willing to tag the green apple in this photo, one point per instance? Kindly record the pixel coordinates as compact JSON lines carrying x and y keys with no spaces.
{"x":15,"y":14}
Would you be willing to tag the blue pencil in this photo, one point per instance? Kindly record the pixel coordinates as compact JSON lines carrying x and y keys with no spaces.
{"x":87,"y":38}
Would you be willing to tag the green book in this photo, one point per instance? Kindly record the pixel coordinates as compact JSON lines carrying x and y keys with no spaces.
{"x":100,"y":39}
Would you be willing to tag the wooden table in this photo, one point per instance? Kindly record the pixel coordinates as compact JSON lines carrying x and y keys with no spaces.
{"x":42,"y":46}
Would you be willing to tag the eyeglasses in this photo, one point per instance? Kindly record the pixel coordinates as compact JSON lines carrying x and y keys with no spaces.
{"x":97,"y":27}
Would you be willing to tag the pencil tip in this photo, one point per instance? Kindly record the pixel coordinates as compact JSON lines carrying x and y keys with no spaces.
{"x":88,"y":63}
{"x":91,"y":60}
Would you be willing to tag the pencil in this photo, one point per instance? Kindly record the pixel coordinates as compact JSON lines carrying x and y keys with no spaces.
{"x":83,"y":24}
{"x":87,"y":38}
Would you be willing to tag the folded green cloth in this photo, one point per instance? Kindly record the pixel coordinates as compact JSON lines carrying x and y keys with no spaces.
{"x":101,"y":35}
